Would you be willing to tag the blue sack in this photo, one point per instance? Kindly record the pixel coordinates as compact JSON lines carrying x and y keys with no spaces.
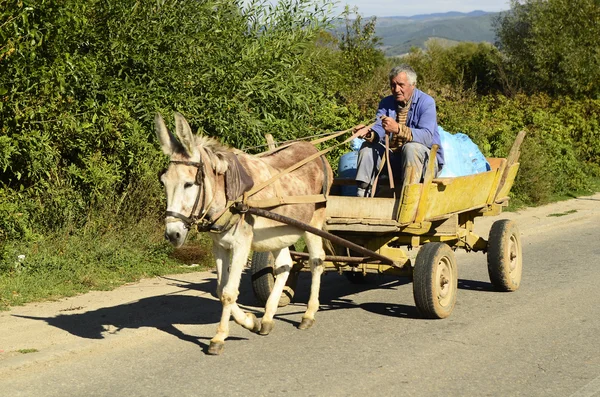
{"x":462,"y":156}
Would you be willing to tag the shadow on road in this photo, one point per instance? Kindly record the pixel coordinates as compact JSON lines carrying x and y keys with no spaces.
{"x":474,"y":285}
{"x":160,"y":312}
{"x":163,"y":312}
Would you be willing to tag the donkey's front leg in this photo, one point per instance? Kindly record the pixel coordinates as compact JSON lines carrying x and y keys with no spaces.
{"x":223,"y":260}
{"x":317,"y":256}
{"x":283,"y":264}
{"x":240,"y":250}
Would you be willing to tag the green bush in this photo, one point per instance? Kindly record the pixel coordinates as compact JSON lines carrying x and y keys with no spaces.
{"x":465,"y":66}
{"x":559,"y":156}
{"x":80,"y":83}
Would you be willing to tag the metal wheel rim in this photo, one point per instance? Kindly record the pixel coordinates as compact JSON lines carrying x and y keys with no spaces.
{"x":444,"y":279}
{"x":514,"y":258}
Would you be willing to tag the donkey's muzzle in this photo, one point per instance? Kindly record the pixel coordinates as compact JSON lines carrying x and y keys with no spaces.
{"x":176,"y":234}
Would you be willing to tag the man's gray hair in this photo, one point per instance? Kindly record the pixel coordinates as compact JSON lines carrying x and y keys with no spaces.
{"x":410,"y":73}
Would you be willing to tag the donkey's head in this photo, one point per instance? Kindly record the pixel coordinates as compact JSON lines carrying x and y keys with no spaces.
{"x":192,"y":179}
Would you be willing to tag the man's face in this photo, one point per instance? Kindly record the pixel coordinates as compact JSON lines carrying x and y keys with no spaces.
{"x":402,"y":90}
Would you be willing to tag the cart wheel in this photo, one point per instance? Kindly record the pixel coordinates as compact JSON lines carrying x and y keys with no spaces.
{"x":263,"y":279}
{"x":435,"y":280}
{"x":505,"y":258}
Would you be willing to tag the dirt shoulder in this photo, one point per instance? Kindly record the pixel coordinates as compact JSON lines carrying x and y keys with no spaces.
{"x":45,"y":331}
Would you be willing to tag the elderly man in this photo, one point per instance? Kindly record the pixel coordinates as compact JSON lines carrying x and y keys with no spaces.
{"x":408,"y":117}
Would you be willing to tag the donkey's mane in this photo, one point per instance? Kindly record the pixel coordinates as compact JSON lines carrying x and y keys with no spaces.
{"x":215,"y":150}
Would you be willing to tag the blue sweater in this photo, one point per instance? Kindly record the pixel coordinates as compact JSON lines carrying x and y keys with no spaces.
{"x":421,"y":118}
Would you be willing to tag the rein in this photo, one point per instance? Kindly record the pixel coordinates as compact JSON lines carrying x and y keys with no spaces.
{"x":266,"y":183}
{"x":208,"y":223}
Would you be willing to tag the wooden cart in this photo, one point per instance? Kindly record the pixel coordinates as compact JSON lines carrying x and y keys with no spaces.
{"x":433,"y":218}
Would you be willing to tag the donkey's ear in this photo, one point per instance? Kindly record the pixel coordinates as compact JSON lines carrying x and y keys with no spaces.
{"x":184,"y":133}
{"x":168,"y":143}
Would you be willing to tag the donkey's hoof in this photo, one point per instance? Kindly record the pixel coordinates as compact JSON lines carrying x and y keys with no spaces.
{"x":256,"y":323}
{"x":306,"y":323}
{"x":216,"y":348}
{"x":266,"y":327}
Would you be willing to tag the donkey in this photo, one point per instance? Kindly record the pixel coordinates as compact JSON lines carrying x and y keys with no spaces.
{"x":203,"y":179}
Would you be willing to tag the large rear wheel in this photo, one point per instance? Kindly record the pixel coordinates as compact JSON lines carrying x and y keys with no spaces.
{"x":505,"y":257}
{"x":262,"y":269}
{"x":435,"y":280}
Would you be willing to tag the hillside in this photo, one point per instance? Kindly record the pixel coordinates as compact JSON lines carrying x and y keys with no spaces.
{"x":399,"y":34}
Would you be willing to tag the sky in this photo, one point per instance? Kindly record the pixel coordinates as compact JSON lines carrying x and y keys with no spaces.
{"x":389,"y":8}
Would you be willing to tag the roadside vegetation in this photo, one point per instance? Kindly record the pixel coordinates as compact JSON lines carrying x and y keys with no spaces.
{"x":80,"y":83}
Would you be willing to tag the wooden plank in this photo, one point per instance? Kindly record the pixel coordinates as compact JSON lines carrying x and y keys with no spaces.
{"x":511,"y":174}
{"x":429,"y":174}
{"x":410,"y":201}
{"x":495,"y":162}
{"x":354,"y":221}
{"x":362,"y":207}
{"x":465,"y":193}
{"x":499,"y":172}
{"x":513,"y":158}
{"x":359,"y":228}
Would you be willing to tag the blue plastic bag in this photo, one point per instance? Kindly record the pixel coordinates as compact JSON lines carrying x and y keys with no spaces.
{"x":462,"y":156}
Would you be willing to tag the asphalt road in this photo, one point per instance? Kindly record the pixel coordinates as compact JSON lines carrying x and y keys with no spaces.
{"x":150,"y":338}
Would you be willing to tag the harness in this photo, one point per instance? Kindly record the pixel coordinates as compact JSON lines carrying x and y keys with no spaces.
{"x":235,"y":209}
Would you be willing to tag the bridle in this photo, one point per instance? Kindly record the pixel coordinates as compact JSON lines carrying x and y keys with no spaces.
{"x":202,"y":220}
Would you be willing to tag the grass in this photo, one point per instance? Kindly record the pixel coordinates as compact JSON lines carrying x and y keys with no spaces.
{"x":26,"y":351}
{"x":71,"y":263}
{"x":594,"y":186}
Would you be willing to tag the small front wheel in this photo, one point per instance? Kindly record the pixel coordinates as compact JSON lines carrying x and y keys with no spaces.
{"x":435,"y":280}
{"x":262,"y":269}
{"x":505,"y":257}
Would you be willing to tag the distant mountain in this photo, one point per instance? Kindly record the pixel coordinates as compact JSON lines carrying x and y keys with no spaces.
{"x":443,"y":15}
{"x":399,"y":34}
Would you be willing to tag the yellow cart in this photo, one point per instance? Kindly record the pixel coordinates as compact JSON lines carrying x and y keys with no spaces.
{"x":433,"y":218}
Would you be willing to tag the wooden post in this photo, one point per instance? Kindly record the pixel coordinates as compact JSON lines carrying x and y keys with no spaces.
{"x":270,"y":141}
{"x":429,"y":175}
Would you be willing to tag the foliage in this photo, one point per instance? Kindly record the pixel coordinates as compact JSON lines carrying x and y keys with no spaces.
{"x":552,"y":46}
{"x":476,"y":66}
{"x":81,"y":82}
{"x":358,"y":45}
{"x":69,"y":262}
{"x":560,"y":154}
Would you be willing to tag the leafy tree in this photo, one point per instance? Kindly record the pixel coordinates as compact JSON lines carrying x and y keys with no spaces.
{"x":359,"y":46}
{"x":465,"y":66}
{"x":80,"y":83}
{"x":553,"y":45}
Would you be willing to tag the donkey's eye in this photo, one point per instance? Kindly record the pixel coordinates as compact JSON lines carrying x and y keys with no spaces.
{"x":188,"y":185}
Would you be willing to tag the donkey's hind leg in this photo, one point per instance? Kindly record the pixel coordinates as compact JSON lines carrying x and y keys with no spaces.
{"x":317,"y":256}
{"x":283,"y":264}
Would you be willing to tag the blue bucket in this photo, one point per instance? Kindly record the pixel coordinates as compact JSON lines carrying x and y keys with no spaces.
{"x":347,"y":170}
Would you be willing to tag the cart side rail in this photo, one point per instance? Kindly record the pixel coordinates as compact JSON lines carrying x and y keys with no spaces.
{"x":453,"y":195}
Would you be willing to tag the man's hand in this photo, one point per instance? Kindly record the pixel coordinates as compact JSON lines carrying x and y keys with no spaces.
{"x":365,"y":133}
{"x":399,"y":134}
{"x":389,"y":125}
